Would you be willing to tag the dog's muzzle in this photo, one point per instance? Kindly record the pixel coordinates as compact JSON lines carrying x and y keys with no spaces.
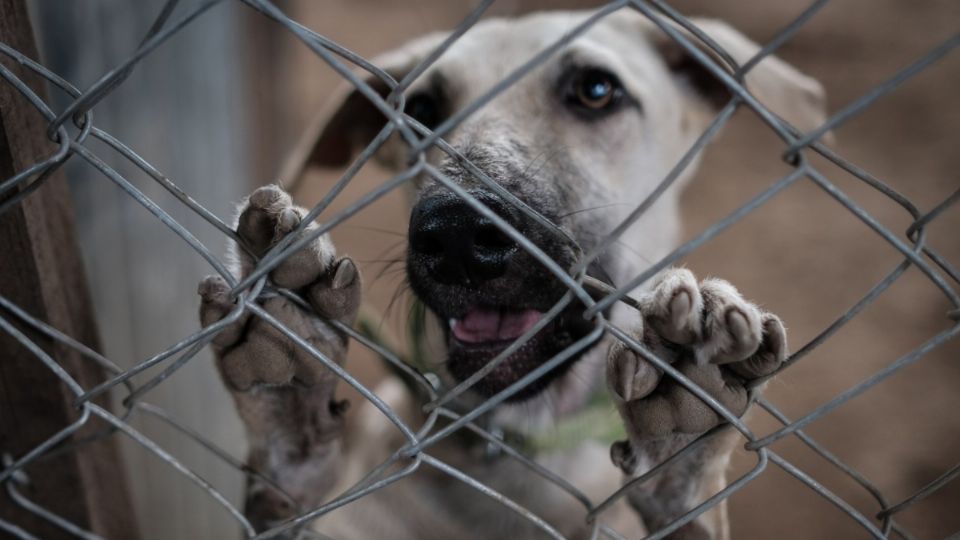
{"x":474,"y":276}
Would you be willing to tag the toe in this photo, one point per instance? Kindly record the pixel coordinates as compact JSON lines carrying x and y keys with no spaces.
{"x":771,"y":353}
{"x":288,"y":220}
{"x":270,"y":198}
{"x":215,"y":303}
{"x":305,"y":265}
{"x":732,"y":326}
{"x":214,"y":289}
{"x":674,"y":306}
{"x":337,"y":295}
{"x":267,"y":211}
{"x":629,"y":376}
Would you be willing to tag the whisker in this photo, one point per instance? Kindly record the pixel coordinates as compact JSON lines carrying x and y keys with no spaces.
{"x":546,"y":160}
{"x":531,"y":162}
{"x":620,"y":243}
{"x":582,"y":210}
{"x":398,"y":294}
{"x":389,"y":273}
{"x":375,"y":229}
{"x":381,"y":261}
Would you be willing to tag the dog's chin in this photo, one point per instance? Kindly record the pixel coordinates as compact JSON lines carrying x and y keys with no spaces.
{"x":482,"y":334}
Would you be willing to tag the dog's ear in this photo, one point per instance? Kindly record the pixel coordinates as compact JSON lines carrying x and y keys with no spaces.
{"x":797,"y":98}
{"x":348,"y":120}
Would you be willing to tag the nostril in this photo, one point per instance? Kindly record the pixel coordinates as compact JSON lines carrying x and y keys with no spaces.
{"x":427,"y":243}
{"x":489,"y":237}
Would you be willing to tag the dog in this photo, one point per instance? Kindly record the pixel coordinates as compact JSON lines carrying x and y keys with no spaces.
{"x":580,"y":141}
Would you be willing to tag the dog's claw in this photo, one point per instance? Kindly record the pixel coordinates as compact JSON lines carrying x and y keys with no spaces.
{"x":345,"y":274}
{"x":630,"y":377}
{"x":337,"y":296}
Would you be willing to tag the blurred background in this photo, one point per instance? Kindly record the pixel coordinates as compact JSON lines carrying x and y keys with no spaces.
{"x":217,"y":108}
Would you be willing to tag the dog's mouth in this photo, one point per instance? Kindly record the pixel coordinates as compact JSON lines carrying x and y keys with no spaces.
{"x":493,"y":293}
{"x":491,"y":326}
{"x":481,"y":334}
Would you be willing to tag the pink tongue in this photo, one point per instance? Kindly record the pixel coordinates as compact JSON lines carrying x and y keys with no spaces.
{"x":481,"y":325}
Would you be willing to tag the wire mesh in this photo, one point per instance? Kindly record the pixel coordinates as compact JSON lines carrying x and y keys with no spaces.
{"x":73,"y":128}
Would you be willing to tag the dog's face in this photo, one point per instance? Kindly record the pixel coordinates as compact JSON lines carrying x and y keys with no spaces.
{"x":581,"y":139}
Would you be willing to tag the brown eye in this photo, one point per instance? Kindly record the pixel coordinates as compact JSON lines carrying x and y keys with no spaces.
{"x":597,"y":89}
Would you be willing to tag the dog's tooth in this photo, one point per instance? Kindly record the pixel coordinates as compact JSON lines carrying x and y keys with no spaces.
{"x":452,"y":322}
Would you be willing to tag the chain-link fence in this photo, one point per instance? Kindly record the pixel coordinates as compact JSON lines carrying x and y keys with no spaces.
{"x":73,"y":128}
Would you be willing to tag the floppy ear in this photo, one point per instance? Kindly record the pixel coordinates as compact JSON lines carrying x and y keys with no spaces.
{"x":797,"y":98}
{"x":348,"y":120}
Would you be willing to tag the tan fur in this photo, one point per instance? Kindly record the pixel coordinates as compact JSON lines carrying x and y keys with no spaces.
{"x":706,"y":330}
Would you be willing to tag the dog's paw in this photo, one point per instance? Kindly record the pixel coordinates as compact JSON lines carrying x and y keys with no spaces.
{"x":251,"y":352}
{"x":267,"y":217}
{"x":710,"y":334}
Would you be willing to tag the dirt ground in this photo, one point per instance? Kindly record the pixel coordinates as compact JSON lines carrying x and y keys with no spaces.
{"x":801,"y":255}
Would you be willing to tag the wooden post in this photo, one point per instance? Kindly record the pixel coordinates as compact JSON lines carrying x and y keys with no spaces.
{"x":42,"y":272}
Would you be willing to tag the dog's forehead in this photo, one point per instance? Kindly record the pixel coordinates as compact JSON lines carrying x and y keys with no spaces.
{"x":494,"y":48}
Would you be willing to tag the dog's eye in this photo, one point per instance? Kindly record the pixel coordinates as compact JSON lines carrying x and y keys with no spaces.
{"x":423,"y":108}
{"x":594,"y":90}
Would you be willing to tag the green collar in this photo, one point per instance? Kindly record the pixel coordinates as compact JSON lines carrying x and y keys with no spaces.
{"x":598,"y":420}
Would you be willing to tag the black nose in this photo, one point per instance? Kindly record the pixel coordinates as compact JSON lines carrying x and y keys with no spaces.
{"x":456,"y":244}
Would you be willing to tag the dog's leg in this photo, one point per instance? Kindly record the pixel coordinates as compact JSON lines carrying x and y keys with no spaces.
{"x":719,"y":341}
{"x":284,"y":396}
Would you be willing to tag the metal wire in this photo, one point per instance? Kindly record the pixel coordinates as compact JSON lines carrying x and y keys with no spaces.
{"x":442,"y":421}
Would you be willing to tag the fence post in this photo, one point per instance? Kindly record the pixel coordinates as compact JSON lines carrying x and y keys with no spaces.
{"x":42,"y":272}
